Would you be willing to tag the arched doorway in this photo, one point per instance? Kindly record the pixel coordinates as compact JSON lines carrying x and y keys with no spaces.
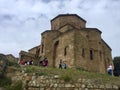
{"x":55,"y":52}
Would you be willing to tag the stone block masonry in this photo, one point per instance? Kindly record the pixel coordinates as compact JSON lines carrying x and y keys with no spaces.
{"x":35,"y":82}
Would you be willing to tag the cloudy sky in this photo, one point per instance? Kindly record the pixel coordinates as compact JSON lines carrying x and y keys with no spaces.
{"x":23,"y":21}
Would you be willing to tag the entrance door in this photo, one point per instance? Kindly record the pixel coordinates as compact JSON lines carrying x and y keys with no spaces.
{"x":55,"y":53}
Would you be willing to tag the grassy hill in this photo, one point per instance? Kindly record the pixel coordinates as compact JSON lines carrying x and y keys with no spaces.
{"x":68,"y":75}
{"x":72,"y":74}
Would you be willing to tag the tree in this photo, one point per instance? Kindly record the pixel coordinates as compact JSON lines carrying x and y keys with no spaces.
{"x":116,"y":62}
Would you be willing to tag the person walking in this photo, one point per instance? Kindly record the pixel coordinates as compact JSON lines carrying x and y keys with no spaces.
{"x":60,"y":64}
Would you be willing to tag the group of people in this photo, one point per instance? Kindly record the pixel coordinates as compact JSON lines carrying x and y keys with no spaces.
{"x":62,"y":65}
{"x":24,"y":62}
{"x":44,"y":62}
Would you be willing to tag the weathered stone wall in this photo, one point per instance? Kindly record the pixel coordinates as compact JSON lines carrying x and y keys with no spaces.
{"x":34,"y":82}
{"x":26,"y":56}
{"x":33,"y":50}
{"x":66,"y":27}
{"x":107,"y":55}
{"x":66,"y":42}
{"x":36,"y":52}
{"x":70,"y":19}
{"x":75,"y":41}
{"x":89,"y":40}
{"x":94,"y":36}
{"x":81,"y":43}
{"x":48,"y":40}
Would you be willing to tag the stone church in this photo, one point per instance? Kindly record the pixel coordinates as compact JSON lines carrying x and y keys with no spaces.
{"x":72,"y":42}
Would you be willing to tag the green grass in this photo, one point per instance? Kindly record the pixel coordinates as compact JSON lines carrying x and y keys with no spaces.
{"x":15,"y":86}
{"x":8,"y":85}
{"x":66,"y":78}
{"x":72,"y":74}
{"x":68,"y":75}
{"x":4,"y":81}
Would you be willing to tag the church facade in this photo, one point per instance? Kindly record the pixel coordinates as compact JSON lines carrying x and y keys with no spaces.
{"x":71,"y":42}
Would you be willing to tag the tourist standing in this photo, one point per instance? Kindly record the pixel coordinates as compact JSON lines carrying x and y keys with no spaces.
{"x":65,"y":66}
{"x":110,"y":69}
{"x":60,"y":64}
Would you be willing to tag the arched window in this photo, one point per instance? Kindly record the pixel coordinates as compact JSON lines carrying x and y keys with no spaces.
{"x":91,"y":54}
{"x":65,"y":50}
{"x":55,"y":52}
{"x":83,"y":52}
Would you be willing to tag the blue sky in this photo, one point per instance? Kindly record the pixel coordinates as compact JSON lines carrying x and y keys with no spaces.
{"x":23,"y":21}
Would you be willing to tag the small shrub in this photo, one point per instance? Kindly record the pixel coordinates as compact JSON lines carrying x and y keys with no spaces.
{"x":42,"y":74}
{"x":16,"y":86}
{"x":66,"y":78}
{"x":5,"y":81}
{"x":15,"y":64}
{"x":30,"y":69}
